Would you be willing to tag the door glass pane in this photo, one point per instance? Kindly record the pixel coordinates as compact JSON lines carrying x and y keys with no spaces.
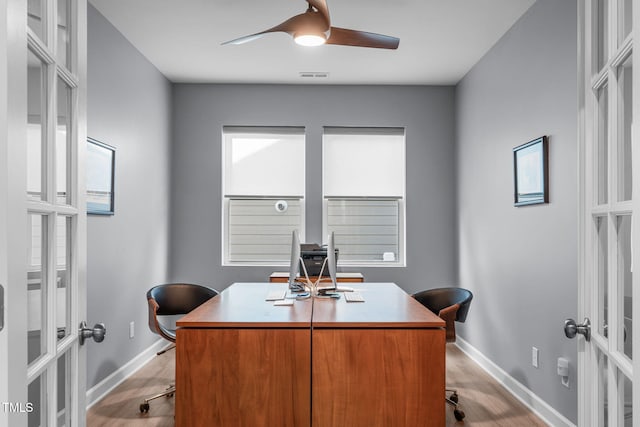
{"x":625,"y":14}
{"x":35,"y":128}
{"x":602,"y":25}
{"x":602,"y":274}
{"x":624,"y":283}
{"x":63,"y":48}
{"x":64,"y":397}
{"x":63,"y":146}
{"x":63,"y":296}
{"x":36,"y":394}
{"x":36,"y":287}
{"x":625,"y":84}
{"x":602,"y":150}
{"x":625,"y":408}
{"x":603,"y":409}
{"x":35,"y":13}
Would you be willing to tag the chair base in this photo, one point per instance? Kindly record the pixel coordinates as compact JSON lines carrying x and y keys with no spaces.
{"x":169,"y":392}
{"x":453,"y":401}
{"x":171,"y":347}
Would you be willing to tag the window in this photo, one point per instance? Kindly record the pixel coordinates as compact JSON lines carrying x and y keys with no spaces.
{"x":263,"y":188}
{"x":363,"y":172}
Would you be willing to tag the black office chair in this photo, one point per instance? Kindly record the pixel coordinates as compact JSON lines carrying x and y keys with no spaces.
{"x":169,"y":300}
{"x":452,"y":305}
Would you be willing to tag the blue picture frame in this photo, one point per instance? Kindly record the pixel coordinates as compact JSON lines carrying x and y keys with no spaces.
{"x":101,"y":161}
{"x":531,"y":172}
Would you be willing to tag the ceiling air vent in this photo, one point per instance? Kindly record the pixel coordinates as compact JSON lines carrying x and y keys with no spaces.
{"x":314,"y":74}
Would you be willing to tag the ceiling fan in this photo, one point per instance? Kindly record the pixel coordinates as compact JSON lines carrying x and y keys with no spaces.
{"x":313,"y":28}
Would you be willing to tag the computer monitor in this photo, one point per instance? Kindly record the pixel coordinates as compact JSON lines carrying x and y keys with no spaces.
{"x":331,"y":260}
{"x":295,"y":259}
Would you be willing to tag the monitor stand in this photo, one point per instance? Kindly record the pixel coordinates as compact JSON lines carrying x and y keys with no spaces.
{"x":331,"y":287}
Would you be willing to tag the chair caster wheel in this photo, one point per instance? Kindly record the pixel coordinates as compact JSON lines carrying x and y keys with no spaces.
{"x":144,"y":407}
{"x":454,"y":397}
{"x":458,"y":414}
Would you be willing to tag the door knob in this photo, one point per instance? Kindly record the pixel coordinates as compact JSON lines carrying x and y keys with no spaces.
{"x":571,"y":328}
{"x":97,"y":332}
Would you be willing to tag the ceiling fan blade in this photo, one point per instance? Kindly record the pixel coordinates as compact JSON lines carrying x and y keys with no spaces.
{"x":321,"y":6}
{"x":246,"y":39}
{"x":346,"y":37}
{"x":289,"y":26}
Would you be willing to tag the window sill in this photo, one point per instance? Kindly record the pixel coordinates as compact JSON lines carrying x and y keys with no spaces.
{"x":256,"y":264}
{"x":372,"y":264}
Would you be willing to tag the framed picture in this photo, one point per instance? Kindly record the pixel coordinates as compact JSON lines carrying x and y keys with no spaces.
{"x":531,"y":172}
{"x":101,"y":161}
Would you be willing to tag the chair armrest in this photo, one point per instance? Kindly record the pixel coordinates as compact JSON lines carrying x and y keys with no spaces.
{"x":153,"y":320}
{"x":448,"y":314}
{"x":155,"y":325}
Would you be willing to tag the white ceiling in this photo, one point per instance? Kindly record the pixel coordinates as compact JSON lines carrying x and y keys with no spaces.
{"x":440,"y":40}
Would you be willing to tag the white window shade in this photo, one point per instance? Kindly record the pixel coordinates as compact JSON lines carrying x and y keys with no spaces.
{"x":364,"y":163}
{"x":366,"y":230}
{"x":264,"y":161}
{"x":259,"y":233}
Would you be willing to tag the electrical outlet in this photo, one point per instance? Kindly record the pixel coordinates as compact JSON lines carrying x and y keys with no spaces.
{"x":132,"y":329}
{"x":563,"y":371}
{"x":535,"y":353}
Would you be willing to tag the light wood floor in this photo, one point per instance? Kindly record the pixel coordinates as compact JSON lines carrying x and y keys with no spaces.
{"x":482,"y":399}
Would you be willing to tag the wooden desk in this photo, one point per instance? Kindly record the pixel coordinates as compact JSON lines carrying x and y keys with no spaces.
{"x":283,"y":277}
{"x":377,"y":363}
{"x":241,"y":361}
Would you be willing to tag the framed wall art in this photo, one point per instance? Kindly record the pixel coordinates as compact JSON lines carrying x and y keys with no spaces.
{"x":101,"y":161}
{"x":531,"y":172}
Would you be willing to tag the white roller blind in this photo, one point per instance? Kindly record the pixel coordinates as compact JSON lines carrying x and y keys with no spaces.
{"x":264,"y":161}
{"x":365,"y":229}
{"x":259,"y":233}
{"x":365,"y":162}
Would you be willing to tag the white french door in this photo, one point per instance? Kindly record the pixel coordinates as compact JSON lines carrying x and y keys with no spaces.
{"x":42,"y":212}
{"x":609,"y":157}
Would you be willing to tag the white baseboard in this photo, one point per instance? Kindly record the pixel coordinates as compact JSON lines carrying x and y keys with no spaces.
{"x":541,"y":408}
{"x":100,"y":390}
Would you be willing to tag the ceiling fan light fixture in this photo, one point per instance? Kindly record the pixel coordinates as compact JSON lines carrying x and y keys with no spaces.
{"x":310,"y":39}
{"x":313,"y":28}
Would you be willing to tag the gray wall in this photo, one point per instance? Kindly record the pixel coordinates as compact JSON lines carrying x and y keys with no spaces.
{"x":521,"y":263}
{"x":200,"y":112}
{"x":129,"y":105}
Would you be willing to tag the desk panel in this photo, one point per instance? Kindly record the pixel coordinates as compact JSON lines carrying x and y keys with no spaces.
{"x":378,"y":377}
{"x":243,"y":377}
